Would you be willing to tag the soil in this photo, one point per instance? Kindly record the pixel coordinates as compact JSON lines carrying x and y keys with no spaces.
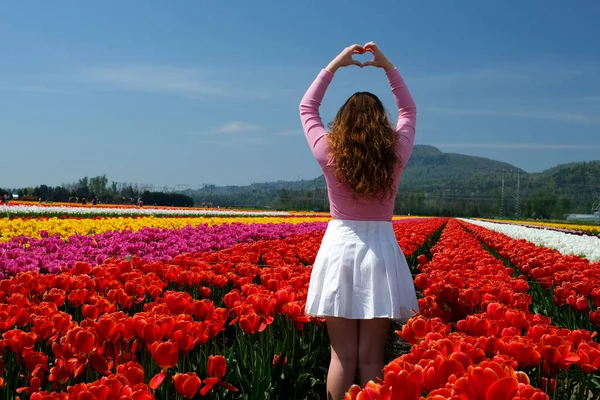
{"x":395,"y":346}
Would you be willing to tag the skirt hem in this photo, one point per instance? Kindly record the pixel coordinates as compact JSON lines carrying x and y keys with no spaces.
{"x":359,"y":318}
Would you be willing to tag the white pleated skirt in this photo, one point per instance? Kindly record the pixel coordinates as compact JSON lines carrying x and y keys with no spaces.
{"x":360,"y":272}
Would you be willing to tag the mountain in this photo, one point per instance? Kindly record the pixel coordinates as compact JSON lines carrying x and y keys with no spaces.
{"x":436,"y":181}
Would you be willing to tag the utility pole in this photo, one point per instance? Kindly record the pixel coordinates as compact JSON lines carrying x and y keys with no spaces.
{"x":518,"y":195}
{"x":502,"y":198}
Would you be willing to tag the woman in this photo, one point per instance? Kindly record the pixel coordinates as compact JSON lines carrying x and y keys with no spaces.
{"x":360,"y":279}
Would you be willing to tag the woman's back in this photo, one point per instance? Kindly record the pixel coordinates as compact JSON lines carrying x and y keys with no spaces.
{"x":360,"y":278}
{"x":344,"y":204}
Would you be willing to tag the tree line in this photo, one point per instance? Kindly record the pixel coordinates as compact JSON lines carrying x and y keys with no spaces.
{"x":538,"y":204}
{"x":544,"y":202}
{"x":99,"y":188}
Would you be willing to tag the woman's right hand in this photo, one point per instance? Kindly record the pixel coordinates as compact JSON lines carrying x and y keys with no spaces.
{"x":379,"y":59}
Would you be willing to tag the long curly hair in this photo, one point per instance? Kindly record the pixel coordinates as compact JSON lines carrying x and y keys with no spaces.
{"x":363,"y":147}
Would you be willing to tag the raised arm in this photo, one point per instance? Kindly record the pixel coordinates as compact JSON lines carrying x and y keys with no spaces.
{"x":407,"y":110}
{"x":407,"y":115}
{"x":309,"y":106}
{"x":309,"y":111}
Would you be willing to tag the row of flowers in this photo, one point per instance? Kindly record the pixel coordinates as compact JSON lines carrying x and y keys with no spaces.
{"x":577,"y":229}
{"x":121,"y":316}
{"x":128,"y":206}
{"x":565,"y":243}
{"x":475,"y":337}
{"x":36,"y":227}
{"x":205,"y":322}
{"x":51,"y":253}
{"x":569,"y":285}
{"x":53,"y":210}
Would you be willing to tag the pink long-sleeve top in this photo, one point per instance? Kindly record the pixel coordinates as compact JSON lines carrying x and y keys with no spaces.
{"x":342,"y":203}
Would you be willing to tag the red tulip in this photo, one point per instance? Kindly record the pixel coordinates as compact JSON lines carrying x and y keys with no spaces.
{"x":83,"y":341}
{"x":33,"y":361}
{"x":279,"y":360}
{"x":90,"y":311}
{"x":231,"y":298}
{"x":353,"y":392}
{"x":525,"y":354}
{"x":177,"y":302}
{"x":17,"y":340}
{"x":595,"y":317}
{"x":250,"y":323}
{"x":216,"y":369}
{"x":217,"y":366}
{"x":133,"y":371}
{"x":187,"y":385}
{"x":582,"y":304}
{"x":165,"y":354}
{"x":203,"y":309}
{"x":185,"y":340}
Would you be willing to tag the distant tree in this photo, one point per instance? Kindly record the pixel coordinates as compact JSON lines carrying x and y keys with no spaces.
{"x":98,"y":185}
{"x":167,"y":199}
{"x":541,"y":204}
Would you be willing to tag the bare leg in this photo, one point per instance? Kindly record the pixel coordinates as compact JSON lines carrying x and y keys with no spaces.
{"x":372,"y":335}
{"x":343,"y":335}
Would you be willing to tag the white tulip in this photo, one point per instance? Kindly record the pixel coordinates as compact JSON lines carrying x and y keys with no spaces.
{"x":110,"y":211}
{"x":565,"y":243}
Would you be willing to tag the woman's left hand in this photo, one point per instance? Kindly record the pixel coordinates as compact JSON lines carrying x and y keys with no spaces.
{"x":345,"y":58}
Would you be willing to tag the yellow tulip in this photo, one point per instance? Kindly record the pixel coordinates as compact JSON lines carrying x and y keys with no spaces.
{"x":10,"y":228}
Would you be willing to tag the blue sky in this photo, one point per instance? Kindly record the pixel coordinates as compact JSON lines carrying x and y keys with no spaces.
{"x":196,"y":92}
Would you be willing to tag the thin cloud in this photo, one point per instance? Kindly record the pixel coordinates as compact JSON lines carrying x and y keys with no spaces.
{"x":178,"y":81}
{"x":45,"y":89}
{"x":587,"y":99}
{"x":510,"y":72}
{"x":290,"y":132}
{"x":194,"y":83}
{"x":490,"y":74}
{"x":520,"y":146}
{"x":542,"y":115}
{"x":233,"y":140}
{"x":249,"y":139}
{"x":237,"y":127}
{"x":170,"y":80}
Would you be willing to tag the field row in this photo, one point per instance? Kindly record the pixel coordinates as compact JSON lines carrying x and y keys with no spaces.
{"x":218,"y":311}
{"x":231,"y":318}
{"x":565,"y":243}
{"x":44,"y":227}
{"x":85,"y":211}
{"x":477,"y":338}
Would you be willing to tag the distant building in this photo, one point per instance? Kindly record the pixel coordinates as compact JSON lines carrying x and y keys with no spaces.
{"x":595,"y":217}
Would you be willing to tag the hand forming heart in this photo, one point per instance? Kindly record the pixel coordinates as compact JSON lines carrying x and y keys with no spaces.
{"x":345,"y":58}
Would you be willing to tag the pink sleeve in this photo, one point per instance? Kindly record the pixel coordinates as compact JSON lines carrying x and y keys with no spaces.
{"x":310,"y":117}
{"x":407,"y":115}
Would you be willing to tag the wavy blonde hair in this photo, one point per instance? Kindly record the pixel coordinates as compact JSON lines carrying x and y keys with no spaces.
{"x":363,"y":147}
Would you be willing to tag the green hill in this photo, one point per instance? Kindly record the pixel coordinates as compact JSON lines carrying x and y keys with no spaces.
{"x":435,"y":182}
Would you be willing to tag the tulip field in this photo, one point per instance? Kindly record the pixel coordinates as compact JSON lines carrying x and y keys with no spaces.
{"x":162,"y":303}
